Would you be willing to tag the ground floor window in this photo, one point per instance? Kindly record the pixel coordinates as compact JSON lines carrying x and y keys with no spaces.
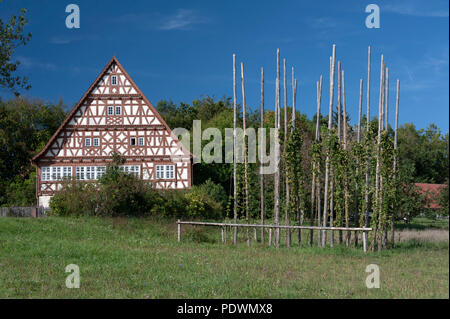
{"x":165,"y":171}
{"x":131,"y":169}
{"x":56,"y":173}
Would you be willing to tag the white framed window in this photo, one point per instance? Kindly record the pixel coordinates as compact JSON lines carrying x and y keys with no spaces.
{"x":90,"y":172}
{"x":110,"y":110}
{"x":87,"y":141}
{"x":159,"y":171}
{"x":100,"y":171}
{"x":165,"y":171}
{"x":170,"y":171}
{"x":118,"y":110}
{"x":56,"y":173}
{"x":80,"y":172}
{"x":140,"y":141}
{"x":114,"y":80}
{"x":131,"y":169}
{"x":96,"y":141}
{"x":132,"y":141}
{"x":45,"y":173}
{"x":67,"y":172}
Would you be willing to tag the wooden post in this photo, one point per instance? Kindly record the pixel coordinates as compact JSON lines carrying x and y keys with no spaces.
{"x":286,"y":216}
{"x":366,"y":195}
{"x":270,"y":236}
{"x":277,"y":155}
{"x":223,"y":235}
{"x":386,"y":110}
{"x":261,"y":141}
{"x":346,"y":194}
{"x":244,"y":115}
{"x":377,"y":169}
{"x":327,"y":163}
{"x":339,"y":106}
{"x":365,"y":241}
{"x":234,"y":151}
{"x":179,"y":230}
{"x":395,"y":157}
{"x":358,"y":140}
{"x":313,"y":182}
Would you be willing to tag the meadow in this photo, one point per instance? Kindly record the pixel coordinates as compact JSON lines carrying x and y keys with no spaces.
{"x":141,"y":258}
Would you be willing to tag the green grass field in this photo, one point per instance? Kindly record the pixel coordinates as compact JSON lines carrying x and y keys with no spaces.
{"x":141,"y":258}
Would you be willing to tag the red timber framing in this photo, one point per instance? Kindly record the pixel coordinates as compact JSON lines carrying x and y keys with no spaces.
{"x":113,"y":116}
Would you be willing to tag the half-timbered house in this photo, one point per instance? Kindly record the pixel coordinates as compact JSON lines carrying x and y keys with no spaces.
{"x":112,"y":116}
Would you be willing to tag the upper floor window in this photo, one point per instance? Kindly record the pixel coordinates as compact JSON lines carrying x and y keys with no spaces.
{"x":118,"y":110}
{"x":96,"y":141}
{"x":114,"y":80}
{"x":87,"y":141}
{"x":141,"y":141}
{"x":110,"y":110}
{"x":132,"y":141}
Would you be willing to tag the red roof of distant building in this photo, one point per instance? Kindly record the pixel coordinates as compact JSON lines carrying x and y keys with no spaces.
{"x":433,"y":190}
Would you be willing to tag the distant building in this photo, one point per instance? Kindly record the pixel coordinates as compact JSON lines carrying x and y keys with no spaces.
{"x":112,"y":116}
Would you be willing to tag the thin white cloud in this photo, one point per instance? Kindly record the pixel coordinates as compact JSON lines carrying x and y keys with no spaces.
{"x":28,"y":63}
{"x":183,"y":19}
{"x":411,"y":9}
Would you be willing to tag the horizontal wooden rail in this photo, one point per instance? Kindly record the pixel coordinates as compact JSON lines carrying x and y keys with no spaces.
{"x":270,"y":227}
{"x":274,"y":226}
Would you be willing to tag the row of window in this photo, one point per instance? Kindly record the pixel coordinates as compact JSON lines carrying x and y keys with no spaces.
{"x":88,"y":141}
{"x":55,"y":173}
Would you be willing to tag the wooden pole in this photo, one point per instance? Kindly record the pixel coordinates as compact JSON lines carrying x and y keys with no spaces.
{"x":395,"y":150}
{"x":358,"y":140}
{"x":377,"y":170}
{"x":262,"y":140}
{"x":313,"y":182}
{"x":286,"y":214}
{"x":277,"y":149}
{"x":234,"y":150}
{"x":327,"y":163}
{"x":179,"y":230}
{"x":346,"y":193}
{"x":244,"y":114}
{"x":366,"y":193}
{"x":386,"y":110}
{"x":339,"y":106}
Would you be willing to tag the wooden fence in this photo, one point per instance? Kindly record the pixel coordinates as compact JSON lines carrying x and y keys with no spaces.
{"x":22,"y":211}
{"x":271,"y":227}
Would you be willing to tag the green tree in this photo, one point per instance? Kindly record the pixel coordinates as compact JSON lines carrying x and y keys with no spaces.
{"x":12,"y":36}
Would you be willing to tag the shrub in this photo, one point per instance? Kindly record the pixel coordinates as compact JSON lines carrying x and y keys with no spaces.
{"x":75,"y":198}
{"x":201,"y":204}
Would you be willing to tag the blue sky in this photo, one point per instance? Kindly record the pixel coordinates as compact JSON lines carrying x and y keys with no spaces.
{"x":182,"y":50}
